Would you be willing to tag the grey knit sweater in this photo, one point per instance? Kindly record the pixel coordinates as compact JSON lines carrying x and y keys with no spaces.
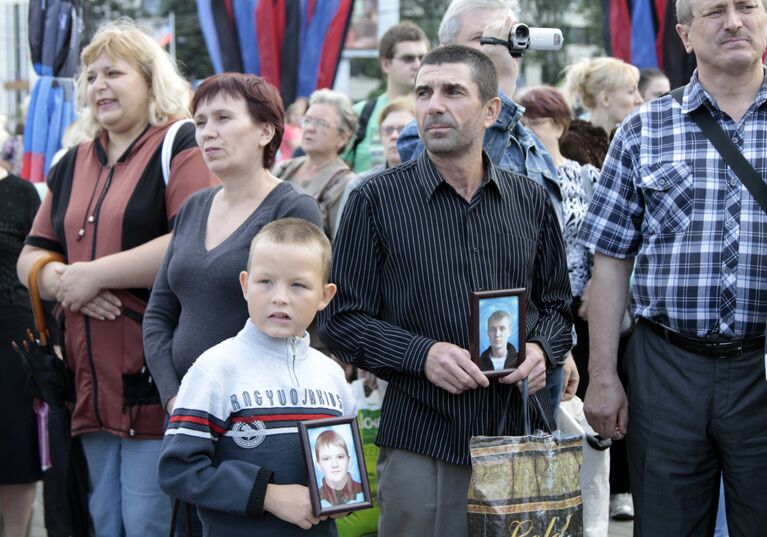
{"x":196,"y":300}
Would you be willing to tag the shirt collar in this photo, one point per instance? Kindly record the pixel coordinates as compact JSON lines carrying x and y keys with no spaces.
{"x":431,"y":180}
{"x":267,"y":344}
{"x":696,"y":95}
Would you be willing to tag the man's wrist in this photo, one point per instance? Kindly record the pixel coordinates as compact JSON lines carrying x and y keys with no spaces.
{"x":414,"y":360}
{"x":543,"y":344}
{"x":602,"y":373}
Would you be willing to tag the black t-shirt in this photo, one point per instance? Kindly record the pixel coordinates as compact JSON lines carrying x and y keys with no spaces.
{"x":19,"y":202}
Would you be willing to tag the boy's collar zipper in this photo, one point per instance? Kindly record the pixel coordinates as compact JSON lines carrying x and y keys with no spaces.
{"x":292,"y":366}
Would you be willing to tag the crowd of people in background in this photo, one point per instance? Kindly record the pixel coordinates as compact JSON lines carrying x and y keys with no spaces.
{"x":183,"y":216}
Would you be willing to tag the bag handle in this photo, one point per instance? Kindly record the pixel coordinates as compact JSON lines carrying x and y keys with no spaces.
{"x":526,"y":428}
{"x":728,"y":150}
{"x":34,"y":294}
{"x":187,"y":518}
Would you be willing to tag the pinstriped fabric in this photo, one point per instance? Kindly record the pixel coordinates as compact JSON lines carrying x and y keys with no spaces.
{"x":407,"y":254}
{"x":667,"y":198}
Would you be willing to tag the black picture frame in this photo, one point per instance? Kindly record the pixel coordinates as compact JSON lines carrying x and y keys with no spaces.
{"x":347,"y":428}
{"x":484,"y":305}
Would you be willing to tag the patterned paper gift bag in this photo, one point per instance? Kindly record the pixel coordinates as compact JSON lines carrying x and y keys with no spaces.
{"x":525,"y":486}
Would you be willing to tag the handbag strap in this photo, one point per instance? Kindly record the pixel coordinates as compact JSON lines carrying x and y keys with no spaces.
{"x":728,"y":150}
{"x":187,"y":518}
{"x":525,"y":411}
{"x":166,"y":153}
{"x":173,"y":516}
{"x":34,"y":294}
{"x":525,"y":408}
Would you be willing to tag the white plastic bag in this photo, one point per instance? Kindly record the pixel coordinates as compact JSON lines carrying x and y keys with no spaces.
{"x":595,"y":472}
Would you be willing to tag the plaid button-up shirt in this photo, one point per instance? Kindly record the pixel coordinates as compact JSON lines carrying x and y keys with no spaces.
{"x":667,"y":199}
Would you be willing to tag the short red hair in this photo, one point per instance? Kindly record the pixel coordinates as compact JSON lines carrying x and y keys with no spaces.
{"x":262,"y":99}
{"x":546,"y":102}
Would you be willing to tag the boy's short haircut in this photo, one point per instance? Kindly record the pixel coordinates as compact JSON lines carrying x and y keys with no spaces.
{"x":298,"y":232}
{"x":329,"y":438}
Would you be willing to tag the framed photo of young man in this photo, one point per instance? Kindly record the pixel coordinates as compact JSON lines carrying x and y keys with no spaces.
{"x":338,"y":481}
{"x":498,"y":330}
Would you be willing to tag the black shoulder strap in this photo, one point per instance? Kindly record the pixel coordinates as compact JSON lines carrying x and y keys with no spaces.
{"x":728,"y":150}
{"x":367,"y":111}
{"x":365,"y":119}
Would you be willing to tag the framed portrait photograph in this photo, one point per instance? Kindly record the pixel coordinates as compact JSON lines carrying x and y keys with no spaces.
{"x":498,"y":330}
{"x":338,"y":479}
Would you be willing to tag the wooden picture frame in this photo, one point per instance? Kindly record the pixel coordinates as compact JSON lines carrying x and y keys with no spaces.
{"x":497,"y":311}
{"x":329,"y":438}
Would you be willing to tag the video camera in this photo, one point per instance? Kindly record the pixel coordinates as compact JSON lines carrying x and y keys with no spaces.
{"x":522,"y":38}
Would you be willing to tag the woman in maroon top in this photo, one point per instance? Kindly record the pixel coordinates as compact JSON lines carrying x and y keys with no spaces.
{"x":110,"y":213}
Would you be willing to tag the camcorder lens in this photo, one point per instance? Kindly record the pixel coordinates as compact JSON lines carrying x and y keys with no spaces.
{"x":521,"y":31}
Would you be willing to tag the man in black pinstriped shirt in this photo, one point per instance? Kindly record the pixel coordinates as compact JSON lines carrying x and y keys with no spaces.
{"x":414,"y":241}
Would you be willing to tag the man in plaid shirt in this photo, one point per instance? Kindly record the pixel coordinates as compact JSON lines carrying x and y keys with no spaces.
{"x":668,"y":206}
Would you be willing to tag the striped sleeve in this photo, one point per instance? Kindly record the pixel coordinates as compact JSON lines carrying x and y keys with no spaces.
{"x":613,"y":222}
{"x":186,"y":469}
{"x":351,"y":324}
{"x":550,"y":292}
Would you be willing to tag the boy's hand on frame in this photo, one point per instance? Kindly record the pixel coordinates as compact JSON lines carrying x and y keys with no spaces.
{"x":290,"y":503}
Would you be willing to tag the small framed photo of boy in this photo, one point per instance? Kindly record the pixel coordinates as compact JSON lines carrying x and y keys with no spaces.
{"x":498,"y":330}
{"x":338,"y":481}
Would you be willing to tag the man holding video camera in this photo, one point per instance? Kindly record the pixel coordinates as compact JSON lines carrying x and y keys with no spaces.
{"x":507,"y":142}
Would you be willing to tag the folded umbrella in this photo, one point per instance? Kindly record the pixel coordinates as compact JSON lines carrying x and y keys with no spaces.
{"x":65,"y":476}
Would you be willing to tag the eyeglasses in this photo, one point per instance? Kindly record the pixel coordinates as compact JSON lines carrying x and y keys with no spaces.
{"x":409,"y":58}
{"x":317,"y":122}
{"x":391,"y":129}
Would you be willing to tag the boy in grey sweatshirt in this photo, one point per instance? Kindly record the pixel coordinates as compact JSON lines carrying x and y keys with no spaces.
{"x":232,"y":445}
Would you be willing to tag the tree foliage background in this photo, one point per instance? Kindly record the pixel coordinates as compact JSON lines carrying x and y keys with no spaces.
{"x":560,"y":14}
{"x":542,"y":13}
{"x":191,"y":52}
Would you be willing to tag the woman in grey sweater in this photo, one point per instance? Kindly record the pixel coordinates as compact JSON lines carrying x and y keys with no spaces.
{"x":196,"y":300}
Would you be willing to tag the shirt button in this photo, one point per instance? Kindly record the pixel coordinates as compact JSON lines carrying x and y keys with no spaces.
{"x":662,"y":182}
{"x":733,"y":182}
{"x":476,"y":250}
{"x":730,"y":223}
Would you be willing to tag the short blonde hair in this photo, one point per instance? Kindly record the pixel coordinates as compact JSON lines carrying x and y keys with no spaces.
{"x":400,"y":104}
{"x":298,"y":232}
{"x":586,"y":78}
{"x":123,"y":40}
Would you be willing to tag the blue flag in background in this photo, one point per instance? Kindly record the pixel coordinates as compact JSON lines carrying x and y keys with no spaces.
{"x":643,"y":51}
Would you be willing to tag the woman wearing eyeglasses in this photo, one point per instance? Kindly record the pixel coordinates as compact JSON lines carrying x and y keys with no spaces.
{"x":326,"y":129}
